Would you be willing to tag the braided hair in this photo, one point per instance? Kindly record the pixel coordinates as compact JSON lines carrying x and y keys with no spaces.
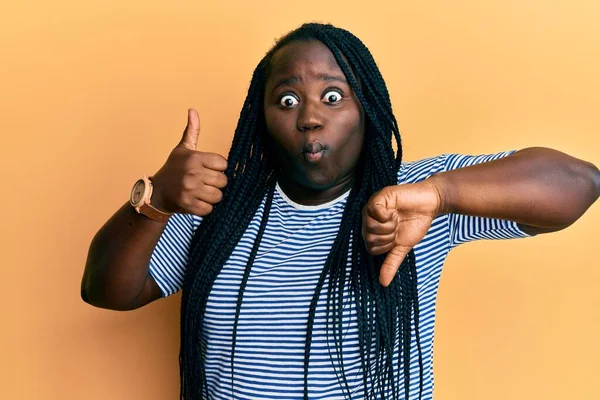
{"x":384,"y":315}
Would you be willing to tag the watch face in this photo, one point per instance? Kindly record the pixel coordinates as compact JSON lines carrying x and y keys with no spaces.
{"x":137,"y":192}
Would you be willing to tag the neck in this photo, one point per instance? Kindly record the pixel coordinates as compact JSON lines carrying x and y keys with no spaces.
{"x":313,"y":197}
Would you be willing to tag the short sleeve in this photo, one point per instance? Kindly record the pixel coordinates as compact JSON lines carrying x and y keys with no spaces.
{"x":171,"y":254}
{"x":462,"y":228}
{"x":417,"y":171}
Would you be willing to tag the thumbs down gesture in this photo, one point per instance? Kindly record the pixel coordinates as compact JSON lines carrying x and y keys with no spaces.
{"x":395,"y":219}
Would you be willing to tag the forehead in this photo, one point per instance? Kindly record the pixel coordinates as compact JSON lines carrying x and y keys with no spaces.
{"x":304,"y":57}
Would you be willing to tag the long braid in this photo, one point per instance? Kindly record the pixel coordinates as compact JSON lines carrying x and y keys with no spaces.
{"x":238,"y":308}
{"x":384,"y":315}
{"x":219,"y":233}
{"x":348,"y":45}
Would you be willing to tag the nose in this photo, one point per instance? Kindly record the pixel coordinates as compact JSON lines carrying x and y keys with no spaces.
{"x":309,"y":117}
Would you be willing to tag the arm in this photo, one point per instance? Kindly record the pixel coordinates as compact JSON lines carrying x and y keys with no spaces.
{"x":543,"y":190}
{"x":117,"y":274}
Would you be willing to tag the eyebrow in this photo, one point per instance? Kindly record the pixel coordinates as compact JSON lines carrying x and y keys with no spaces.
{"x":295,"y":79}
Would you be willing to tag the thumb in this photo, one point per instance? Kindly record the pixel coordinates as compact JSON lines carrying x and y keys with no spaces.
{"x":390,"y":265}
{"x":192,"y":131}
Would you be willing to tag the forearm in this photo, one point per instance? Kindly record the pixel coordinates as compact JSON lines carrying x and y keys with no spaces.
{"x":538,"y":187}
{"x":116,"y":273}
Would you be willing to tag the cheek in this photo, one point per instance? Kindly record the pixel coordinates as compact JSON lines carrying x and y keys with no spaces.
{"x":355,"y":131}
{"x":280,"y":132}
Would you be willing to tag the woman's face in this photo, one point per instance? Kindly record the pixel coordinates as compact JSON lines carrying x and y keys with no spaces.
{"x":313,"y":117}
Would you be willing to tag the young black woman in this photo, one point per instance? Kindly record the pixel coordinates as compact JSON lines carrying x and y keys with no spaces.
{"x":310,"y":258}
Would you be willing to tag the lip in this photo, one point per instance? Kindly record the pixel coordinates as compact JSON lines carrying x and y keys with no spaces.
{"x":314,"y":151}
{"x":313,"y":157}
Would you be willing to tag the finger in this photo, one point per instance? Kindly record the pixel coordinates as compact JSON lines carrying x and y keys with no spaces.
{"x":192,"y":131}
{"x":380,"y":240}
{"x":209,"y":194}
{"x":215,"y":178}
{"x":380,"y":249}
{"x":214,"y":161}
{"x":199,"y":208}
{"x":380,"y":212}
{"x":390,"y":265}
{"x":371,"y":225}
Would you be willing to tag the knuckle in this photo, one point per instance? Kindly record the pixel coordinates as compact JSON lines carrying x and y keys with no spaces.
{"x":187,"y":183}
{"x":188,"y":165}
{"x":372,"y":208}
{"x":185,"y":201}
{"x":195,"y":158}
{"x":386,"y":191}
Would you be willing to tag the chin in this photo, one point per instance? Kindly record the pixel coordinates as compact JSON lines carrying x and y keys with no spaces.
{"x":317,"y":182}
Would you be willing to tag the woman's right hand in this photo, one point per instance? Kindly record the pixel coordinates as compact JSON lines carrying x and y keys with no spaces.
{"x":190,"y":182}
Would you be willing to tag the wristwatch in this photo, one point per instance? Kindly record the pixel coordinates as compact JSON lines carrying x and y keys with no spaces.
{"x":140,"y":200}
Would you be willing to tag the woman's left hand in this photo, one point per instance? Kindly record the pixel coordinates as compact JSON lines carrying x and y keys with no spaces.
{"x":397,"y":218}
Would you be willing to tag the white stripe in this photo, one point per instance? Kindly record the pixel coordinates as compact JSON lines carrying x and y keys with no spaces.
{"x":271,"y":333}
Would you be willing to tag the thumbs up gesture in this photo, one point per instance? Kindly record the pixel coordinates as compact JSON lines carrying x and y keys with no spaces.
{"x":395,"y":219}
{"x":190,"y":182}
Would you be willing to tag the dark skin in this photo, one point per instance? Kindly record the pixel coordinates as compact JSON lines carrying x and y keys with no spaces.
{"x":315,"y":121}
{"x":543,"y":190}
{"x":116,"y":273}
{"x":317,"y":128}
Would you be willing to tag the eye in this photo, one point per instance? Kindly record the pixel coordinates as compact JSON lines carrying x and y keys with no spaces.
{"x":332,"y":96}
{"x":288,"y":101}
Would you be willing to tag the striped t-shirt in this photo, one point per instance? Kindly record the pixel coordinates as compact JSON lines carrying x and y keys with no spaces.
{"x":272,"y":324}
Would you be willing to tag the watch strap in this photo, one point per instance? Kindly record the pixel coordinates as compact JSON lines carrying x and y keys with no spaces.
{"x":154,"y":213}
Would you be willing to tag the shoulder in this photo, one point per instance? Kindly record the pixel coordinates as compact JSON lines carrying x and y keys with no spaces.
{"x":416,"y":171}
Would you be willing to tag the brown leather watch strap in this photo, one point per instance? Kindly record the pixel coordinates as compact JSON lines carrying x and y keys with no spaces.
{"x":154,"y":213}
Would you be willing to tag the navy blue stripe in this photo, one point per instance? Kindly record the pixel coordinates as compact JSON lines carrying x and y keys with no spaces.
{"x":270,"y":345}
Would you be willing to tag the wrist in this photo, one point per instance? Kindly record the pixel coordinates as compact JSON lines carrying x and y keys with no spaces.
{"x":156,"y":199}
{"x":140,"y":200}
{"x":441,"y":187}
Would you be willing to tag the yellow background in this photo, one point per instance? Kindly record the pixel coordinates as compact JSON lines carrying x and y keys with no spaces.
{"x":93,"y":94}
